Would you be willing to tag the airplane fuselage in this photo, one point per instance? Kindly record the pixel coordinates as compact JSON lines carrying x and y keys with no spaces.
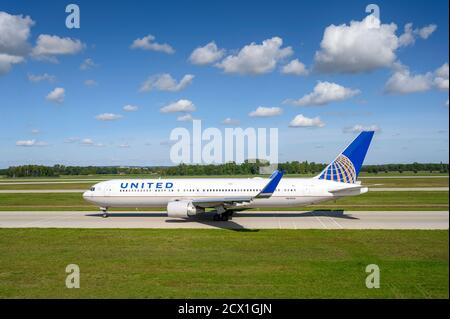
{"x":290,"y":192}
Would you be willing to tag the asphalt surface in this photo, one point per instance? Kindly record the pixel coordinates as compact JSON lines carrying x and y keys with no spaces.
{"x":243,"y":220}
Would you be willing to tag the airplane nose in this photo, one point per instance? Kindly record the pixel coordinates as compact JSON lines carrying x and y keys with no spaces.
{"x":86,"y":194}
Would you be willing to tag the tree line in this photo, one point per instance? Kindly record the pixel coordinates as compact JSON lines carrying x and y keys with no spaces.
{"x":246,"y":168}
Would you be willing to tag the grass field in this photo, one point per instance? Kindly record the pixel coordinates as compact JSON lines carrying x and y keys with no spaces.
{"x":223,"y":263}
{"x":109,"y":176}
{"x":369,"y":201}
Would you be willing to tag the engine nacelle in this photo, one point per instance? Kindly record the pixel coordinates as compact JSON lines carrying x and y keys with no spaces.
{"x":182,"y":209}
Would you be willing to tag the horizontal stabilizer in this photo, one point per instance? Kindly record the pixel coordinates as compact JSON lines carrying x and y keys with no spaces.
{"x":345,"y":191}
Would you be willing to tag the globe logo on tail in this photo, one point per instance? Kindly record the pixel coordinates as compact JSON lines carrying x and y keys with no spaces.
{"x":340,"y":170}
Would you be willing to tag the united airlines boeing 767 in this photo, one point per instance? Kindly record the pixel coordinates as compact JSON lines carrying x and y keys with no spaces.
{"x":184,"y":198}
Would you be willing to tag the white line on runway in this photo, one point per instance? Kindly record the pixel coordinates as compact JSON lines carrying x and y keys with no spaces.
{"x":334,"y":220}
{"x":320,"y":221}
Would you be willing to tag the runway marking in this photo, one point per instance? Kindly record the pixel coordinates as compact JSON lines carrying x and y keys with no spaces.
{"x":334,"y":220}
{"x":320,"y":221}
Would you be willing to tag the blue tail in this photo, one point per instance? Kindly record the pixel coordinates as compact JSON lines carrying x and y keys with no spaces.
{"x":274,"y":180}
{"x":345,"y":168}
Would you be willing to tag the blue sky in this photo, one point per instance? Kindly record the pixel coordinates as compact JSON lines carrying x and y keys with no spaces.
{"x":397,"y":82}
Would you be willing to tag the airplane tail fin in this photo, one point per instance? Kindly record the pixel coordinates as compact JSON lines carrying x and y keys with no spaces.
{"x":345,"y":168}
{"x":274,"y":180}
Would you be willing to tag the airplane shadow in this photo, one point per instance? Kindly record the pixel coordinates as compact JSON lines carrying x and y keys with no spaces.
{"x":312,"y":213}
{"x":207,"y":218}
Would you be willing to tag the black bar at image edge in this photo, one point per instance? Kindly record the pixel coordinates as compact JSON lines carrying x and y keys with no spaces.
{"x":229,"y":308}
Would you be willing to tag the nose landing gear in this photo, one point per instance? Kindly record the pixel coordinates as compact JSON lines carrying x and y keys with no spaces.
{"x":104,"y":211}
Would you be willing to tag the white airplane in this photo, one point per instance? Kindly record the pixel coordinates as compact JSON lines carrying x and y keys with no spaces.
{"x":184,"y":198}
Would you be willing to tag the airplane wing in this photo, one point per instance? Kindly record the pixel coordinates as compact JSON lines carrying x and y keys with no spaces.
{"x":266,"y":192}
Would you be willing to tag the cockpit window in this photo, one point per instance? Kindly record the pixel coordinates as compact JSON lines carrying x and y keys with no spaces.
{"x":92,"y":189}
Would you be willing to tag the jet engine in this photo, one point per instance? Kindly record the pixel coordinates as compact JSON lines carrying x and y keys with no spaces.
{"x":182,"y":209}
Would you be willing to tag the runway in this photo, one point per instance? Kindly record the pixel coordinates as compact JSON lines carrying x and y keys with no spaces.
{"x":243,"y":220}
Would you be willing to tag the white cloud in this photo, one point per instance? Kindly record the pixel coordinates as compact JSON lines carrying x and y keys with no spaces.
{"x":207,"y":54}
{"x":147,"y":43}
{"x":14,"y":33}
{"x":108,"y":117}
{"x":71,"y":140}
{"x":56,"y":96}
{"x":165,"y":82}
{"x":230,"y":121}
{"x":130,"y":108}
{"x":425,"y":32}
{"x":294,"y":67}
{"x":90,"y":83}
{"x":324,"y":93}
{"x":409,"y":35}
{"x":124,"y":145}
{"x":303,"y":121}
{"x":49,"y":46}
{"x":87,"y":141}
{"x":90,"y":142}
{"x":441,"y":80}
{"x":361,"y":46}
{"x":358,"y":128}
{"x":262,"y":111}
{"x":403,"y":82}
{"x":41,"y":77}
{"x":87,"y":64}
{"x":7,"y":61}
{"x":179,"y":106}
{"x":256,"y":58}
{"x":185,"y":118}
{"x":35,"y":131}
{"x":29,"y":143}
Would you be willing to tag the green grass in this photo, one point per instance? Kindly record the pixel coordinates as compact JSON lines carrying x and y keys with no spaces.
{"x":112,"y":176}
{"x":47,"y":186}
{"x":370,"y":201}
{"x":223,"y":263}
{"x":406,"y":182}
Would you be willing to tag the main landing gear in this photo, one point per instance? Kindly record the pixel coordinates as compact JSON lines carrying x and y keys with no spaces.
{"x":104,"y":212}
